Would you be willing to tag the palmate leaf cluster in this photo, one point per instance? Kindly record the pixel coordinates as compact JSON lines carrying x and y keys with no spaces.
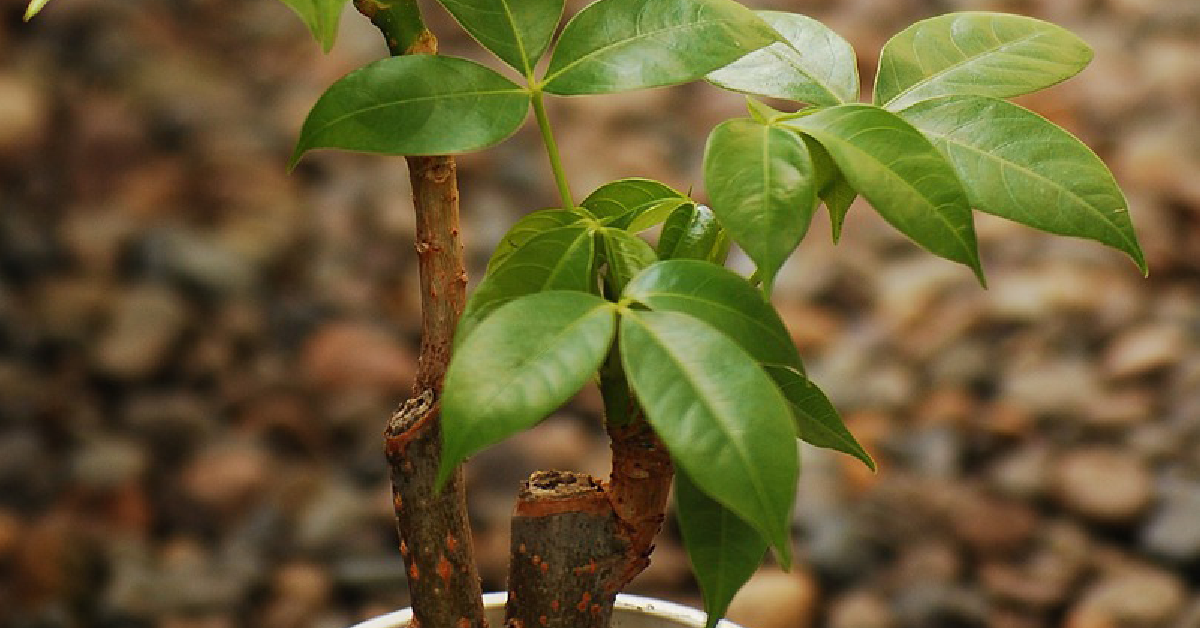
{"x":574,"y":293}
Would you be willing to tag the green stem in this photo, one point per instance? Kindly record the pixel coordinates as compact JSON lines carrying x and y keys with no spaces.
{"x":560,"y":176}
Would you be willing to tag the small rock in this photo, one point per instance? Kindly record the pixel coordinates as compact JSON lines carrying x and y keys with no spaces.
{"x":1052,"y":385}
{"x":1023,"y":473}
{"x":1144,"y":350}
{"x":1104,"y":484}
{"x":227,"y":476}
{"x":1172,"y":531}
{"x":992,"y":526}
{"x":1121,"y":408}
{"x":24,"y":111}
{"x":929,"y":561}
{"x":861,"y":609}
{"x":1136,"y":598}
{"x":146,"y":322}
{"x":774,"y":599}
{"x":302,"y":590}
{"x":347,"y":356}
{"x":107,"y":464}
{"x":926,"y":605}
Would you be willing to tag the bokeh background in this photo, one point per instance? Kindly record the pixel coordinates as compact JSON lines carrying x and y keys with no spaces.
{"x":198,"y":351}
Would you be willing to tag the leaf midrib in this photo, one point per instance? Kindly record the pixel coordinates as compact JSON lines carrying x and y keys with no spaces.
{"x":418,"y":99}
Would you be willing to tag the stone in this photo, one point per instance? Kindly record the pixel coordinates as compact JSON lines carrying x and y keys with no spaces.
{"x":1172,"y":531}
{"x":990,"y":526}
{"x":775,"y":599}
{"x":227,"y":476}
{"x":346,"y":356}
{"x":1139,"y":597}
{"x":1023,"y":473}
{"x":924,"y":604}
{"x":24,"y":110}
{"x":146,"y":321}
{"x":861,"y":609}
{"x":1104,"y":484}
{"x":1144,"y":350}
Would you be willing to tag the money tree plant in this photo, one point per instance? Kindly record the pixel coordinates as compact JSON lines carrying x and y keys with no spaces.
{"x":704,"y":391}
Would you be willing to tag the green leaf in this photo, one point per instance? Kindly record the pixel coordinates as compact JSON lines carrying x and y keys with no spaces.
{"x":517,"y":31}
{"x":415,"y":105}
{"x":1027,"y":169}
{"x":835,"y":191}
{"x":763,"y":189}
{"x":35,"y":6}
{"x":527,"y":227}
{"x":558,"y":259}
{"x":321,"y":17}
{"x":626,"y":256}
{"x":646,"y":216}
{"x":838,"y":196}
{"x":721,"y":298}
{"x":619,"y":45}
{"x":812,"y":64}
{"x":724,"y":550}
{"x":985,"y":54}
{"x":723,"y":420}
{"x":520,"y":364}
{"x":620,"y":197}
{"x":903,"y":176}
{"x":692,"y":232}
{"x":817,"y":421}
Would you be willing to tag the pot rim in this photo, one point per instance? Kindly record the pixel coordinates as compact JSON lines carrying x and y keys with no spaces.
{"x":625,"y":601}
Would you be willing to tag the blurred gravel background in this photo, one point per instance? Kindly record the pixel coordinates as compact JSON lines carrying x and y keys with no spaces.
{"x":198,"y":351}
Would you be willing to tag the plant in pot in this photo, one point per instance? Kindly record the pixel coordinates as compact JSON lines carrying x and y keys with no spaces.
{"x":704,"y":392}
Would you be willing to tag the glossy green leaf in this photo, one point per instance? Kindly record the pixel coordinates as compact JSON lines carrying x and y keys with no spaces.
{"x":817,"y":421}
{"x":762,"y":187}
{"x":619,"y":45}
{"x":415,"y":105}
{"x":692,"y":232}
{"x":724,"y":550}
{"x":524,"y":361}
{"x":517,"y":31}
{"x":723,"y":420}
{"x":527,"y":227}
{"x":985,"y":54}
{"x":834,"y":190}
{"x":558,"y":259}
{"x":626,"y":255}
{"x":620,"y":197}
{"x":813,"y":64}
{"x":838,"y":196}
{"x":35,"y":6}
{"x":321,"y":17}
{"x":648,"y":216}
{"x":1027,"y":169}
{"x":903,"y":176}
{"x":720,"y":298}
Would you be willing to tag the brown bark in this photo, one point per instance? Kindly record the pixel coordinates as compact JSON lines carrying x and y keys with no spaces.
{"x":435,"y":538}
{"x":566,"y":552}
{"x":638,"y":489}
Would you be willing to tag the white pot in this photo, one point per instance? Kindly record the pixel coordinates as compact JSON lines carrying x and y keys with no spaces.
{"x":631,"y":611}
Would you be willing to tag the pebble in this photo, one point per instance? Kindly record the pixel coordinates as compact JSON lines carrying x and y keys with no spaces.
{"x":345,"y":356}
{"x":1103,"y":484}
{"x":146,"y":322}
{"x":227,"y":476}
{"x":861,"y":609}
{"x":775,"y":599}
{"x":24,"y":109}
{"x":1138,"y":597}
{"x":1172,"y":532}
{"x":990,"y":526}
{"x":1144,"y":350}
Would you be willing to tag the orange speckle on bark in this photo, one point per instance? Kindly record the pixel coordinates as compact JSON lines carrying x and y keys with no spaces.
{"x":543,"y":620}
{"x":595,"y":610}
{"x":414,"y":572}
{"x":536,"y":559}
{"x":444,"y":569}
{"x":545,"y":567}
{"x":451,"y":542}
{"x":521,"y":548}
{"x":554,"y":605}
{"x":397,"y":502}
{"x":583,"y":602}
{"x":403,"y":548}
{"x":463,"y":622}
